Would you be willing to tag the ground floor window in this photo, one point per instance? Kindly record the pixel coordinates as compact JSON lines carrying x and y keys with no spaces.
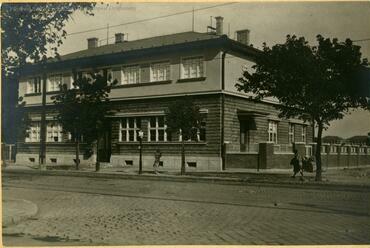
{"x":291,"y":133}
{"x":304,"y":131}
{"x":33,"y":134}
{"x":54,"y":132}
{"x":157,"y":129}
{"x":129,"y":128}
{"x":272,"y":131}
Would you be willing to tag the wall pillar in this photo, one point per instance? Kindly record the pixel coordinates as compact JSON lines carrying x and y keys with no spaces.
{"x":265,"y":156}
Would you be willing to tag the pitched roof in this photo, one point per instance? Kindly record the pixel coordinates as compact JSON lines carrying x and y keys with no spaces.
{"x":151,"y":42}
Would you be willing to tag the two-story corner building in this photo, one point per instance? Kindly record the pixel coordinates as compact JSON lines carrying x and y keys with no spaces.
{"x":152,"y":73}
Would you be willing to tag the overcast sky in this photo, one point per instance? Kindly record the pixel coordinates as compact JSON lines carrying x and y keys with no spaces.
{"x":268,"y":22}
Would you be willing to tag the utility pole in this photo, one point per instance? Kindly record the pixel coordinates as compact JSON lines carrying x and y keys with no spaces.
{"x":42,"y":153}
{"x":192,"y":27}
{"x":107,"y":33}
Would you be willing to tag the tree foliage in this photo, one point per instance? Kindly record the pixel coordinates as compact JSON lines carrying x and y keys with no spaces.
{"x":28,"y":29}
{"x":320,"y":83}
{"x":183,"y":118}
{"x":82,"y":110}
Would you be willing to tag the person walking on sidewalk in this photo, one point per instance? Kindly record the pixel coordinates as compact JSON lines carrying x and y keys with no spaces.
{"x":295,"y":162}
{"x":157,"y":159}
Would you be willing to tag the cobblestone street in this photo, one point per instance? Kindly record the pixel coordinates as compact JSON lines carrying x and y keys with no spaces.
{"x":92,"y":211}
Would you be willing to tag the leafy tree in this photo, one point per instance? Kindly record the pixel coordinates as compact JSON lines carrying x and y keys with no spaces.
{"x":82,"y":110}
{"x":28,"y":30}
{"x":314,"y":83}
{"x":183,"y":118}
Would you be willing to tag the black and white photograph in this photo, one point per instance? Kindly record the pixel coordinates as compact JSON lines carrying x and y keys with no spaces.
{"x":185,"y":123}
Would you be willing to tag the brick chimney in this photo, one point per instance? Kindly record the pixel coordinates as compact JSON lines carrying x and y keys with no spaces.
{"x":219,"y":25}
{"x":119,"y":37}
{"x":92,"y":43}
{"x":242,"y":36}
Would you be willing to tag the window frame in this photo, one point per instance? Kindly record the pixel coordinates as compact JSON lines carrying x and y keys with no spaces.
{"x":58,"y":131}
{"x":291,"y":133}
{"x":167,"y":74}
{"x":272,"y":134}
{"x":33,"y":85}
{"x":182,"y":68}
{"x":138,"y":79}
{"x":304,"y":133}
{"x":50,"y":81}
{"x":157,"y":128}
{"x":127,"y":129}
{"x":35,"y":127}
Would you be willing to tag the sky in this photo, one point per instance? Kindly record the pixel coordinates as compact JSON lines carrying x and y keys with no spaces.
{"x":268,"y":22}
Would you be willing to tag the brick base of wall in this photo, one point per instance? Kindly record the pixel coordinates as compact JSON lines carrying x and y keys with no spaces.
{"x":53,"y":159}
{"x":171,"y":163}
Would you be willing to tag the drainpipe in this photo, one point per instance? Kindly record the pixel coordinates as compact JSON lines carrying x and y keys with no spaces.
{"x":223,"y":147}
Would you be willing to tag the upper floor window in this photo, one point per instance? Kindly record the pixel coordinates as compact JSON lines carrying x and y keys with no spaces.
{"x":114,"y":74}
{"x":34,"y":85}
{"x":272,"y":131}
{"x":131,"y":75}
{"x":291,"y":133}
{"x":54,"y":82}
{"x":192,"y":67}
{"x":129,"y":128}
{"x":157,"y":129}
{"x":54,"y":132}
{"x":304,"y":131}
{"x":160,"y":71}
{"x":34,"y":132}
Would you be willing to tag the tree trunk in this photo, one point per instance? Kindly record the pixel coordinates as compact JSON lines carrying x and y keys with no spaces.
{"x":318,"y":152}
{"x":182,"y":157}
{"x":77,"y":152}
{"x":97,"y":165}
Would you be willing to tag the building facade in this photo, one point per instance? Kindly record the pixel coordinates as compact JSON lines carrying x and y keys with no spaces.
{"x":152,"y":73}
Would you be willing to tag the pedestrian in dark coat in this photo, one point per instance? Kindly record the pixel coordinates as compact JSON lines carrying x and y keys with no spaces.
{"x":157,"y":159}
{"x":295,"y":162}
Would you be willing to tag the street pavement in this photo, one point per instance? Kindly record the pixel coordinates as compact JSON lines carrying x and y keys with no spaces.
{"x":118,"y":211}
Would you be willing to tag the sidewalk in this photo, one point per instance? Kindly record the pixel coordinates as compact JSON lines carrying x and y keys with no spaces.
{"x":340,"y":177}
{"x":16,"y":210}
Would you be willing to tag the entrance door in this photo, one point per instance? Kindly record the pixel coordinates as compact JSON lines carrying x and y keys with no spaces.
{"x":105,"y":146}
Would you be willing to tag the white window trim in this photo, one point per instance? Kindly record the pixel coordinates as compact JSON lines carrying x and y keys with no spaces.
{"x":30,"y":85}
{"x":304,"y":133}
{"x":275,"y":141}
{"x":165,"y":63}
{"x":127,"y":129}
{"x":56,"y":128}
{"x":291,"y":133}
{"x":157,"y":128}
{"x":49,"y":82}
{"x":192,"y":57}
{"x":137,"y":66}
{"x":34,"y":128}
{"x":110,"y":70}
